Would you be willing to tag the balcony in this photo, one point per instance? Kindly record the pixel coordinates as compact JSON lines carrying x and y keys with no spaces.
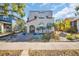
{"x":1,"y":4}
{"x":7,"y":19}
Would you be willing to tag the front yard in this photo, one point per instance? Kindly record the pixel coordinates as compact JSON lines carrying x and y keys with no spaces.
{"x":64,"y":36}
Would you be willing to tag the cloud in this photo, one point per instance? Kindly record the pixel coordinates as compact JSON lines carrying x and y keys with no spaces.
{"x":70,"y":15}
{"x":44,"y":4}
{"x":73,"y":5}
{"x":62,"y":12}
{"x":66,"y":12}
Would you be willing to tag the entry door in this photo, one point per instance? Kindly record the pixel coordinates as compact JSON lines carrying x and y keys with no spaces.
{"x":32,"y":29}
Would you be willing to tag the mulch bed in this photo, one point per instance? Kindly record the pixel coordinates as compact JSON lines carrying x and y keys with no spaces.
{"x":10,"y":52}
{"x":67,"y":52}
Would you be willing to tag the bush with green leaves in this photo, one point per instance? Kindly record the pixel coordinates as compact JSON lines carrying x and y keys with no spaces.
{"x":46,"y":37}
{"x":70,"y":37}
{"x":77,"y":36}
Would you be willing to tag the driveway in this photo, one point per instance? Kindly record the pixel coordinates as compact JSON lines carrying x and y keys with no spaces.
{"x":17,"y":37}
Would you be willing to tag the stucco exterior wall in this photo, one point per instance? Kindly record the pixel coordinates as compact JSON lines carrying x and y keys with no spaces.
{"x":78,"y":25}
{"x":38,"y":21}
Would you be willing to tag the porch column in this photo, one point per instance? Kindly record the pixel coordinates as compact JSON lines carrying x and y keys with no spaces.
{"x":28,"y":29}
{"x":78,"y":25}
{"x":2,"y":28}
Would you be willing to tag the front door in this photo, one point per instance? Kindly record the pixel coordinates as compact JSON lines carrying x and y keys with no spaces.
{"x":32,"y":29}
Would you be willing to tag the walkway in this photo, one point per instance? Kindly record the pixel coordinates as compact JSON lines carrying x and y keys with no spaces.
{"x":38,"y":45}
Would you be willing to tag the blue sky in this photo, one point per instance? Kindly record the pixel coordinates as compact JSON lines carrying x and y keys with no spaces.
{"x":60,"y":10}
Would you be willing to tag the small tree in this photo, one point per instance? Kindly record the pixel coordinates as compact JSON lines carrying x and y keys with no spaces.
{"x":38,"y":29}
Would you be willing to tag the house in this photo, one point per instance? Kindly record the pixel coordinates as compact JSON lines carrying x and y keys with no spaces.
{"x":37,"y":19}
{"x":67,"y":23}
{"x":75,"y":24}
{"x":71,"y":24}
{"x":5,"y":24}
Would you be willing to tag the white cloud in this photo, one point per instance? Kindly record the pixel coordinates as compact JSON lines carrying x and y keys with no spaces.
{"x":44,"y":4}
{"x":63,"y":12}
{"x":73,"y":5}
{"x":70,"y":15}
{"x":66,"y":12}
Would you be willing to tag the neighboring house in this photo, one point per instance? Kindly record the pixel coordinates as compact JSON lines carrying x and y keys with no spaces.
{"x":37,"y":19}
{"x":5,"y":24}
{"x":71,"y":23}
{"x":75,"y":24}
{"x":67,"y":23}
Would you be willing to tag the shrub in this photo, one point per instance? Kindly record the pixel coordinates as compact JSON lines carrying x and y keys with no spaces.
{"x":70,"y":37}
{"x":46,"y":37}
{"x":77,"y":36}
{"x":71,"y":30}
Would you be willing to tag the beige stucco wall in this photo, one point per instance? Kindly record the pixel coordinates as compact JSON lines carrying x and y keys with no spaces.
{"x":37,"y":21}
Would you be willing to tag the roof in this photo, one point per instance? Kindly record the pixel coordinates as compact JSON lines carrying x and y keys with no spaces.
{"x":72,"y":19}
{"x":41,"y":11}
{"x":75,"y":19}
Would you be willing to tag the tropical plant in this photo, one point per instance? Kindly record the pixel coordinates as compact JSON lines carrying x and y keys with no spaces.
{"x":46,"y":37}
{"x":38,"y":29}
{"x":21,"y":24}
{"x":49,"y":26}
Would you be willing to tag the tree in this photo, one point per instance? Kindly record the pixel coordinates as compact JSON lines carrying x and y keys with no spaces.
{"x":8,"y":9}
{"x":17,"y":8}
{"x":49,"y":25}
{"x":21,"y":24}
{"x":77,"y":10}
{"x":38,"y":29}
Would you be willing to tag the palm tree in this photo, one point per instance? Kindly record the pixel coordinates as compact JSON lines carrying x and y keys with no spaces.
{"x":38,"y":29}
{"x":41,"y":27}
{"x":49,"y":25}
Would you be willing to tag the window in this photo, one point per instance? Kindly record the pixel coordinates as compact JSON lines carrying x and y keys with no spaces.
{"x":48,"y":17}
{"x":41,"y":17}
{"x":35,"y":17}
{"x":1,"y":17}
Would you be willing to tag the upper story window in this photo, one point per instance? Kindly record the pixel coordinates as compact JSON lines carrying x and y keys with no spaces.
{"x":48,"y":17}
{"x":1,"y":17}
{"x":35,"y":17}
{"x":41,"y":17}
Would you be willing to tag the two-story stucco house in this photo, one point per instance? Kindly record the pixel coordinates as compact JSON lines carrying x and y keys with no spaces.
{"x":37,"y":19}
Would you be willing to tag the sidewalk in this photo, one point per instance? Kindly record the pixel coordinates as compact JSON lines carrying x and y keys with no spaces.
{"x":38,"y":45}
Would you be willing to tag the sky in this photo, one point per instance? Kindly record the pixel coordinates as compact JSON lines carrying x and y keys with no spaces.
{"x":59,"y":10}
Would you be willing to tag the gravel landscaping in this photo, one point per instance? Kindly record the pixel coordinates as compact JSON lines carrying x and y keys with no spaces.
{"x":67,"y":52}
